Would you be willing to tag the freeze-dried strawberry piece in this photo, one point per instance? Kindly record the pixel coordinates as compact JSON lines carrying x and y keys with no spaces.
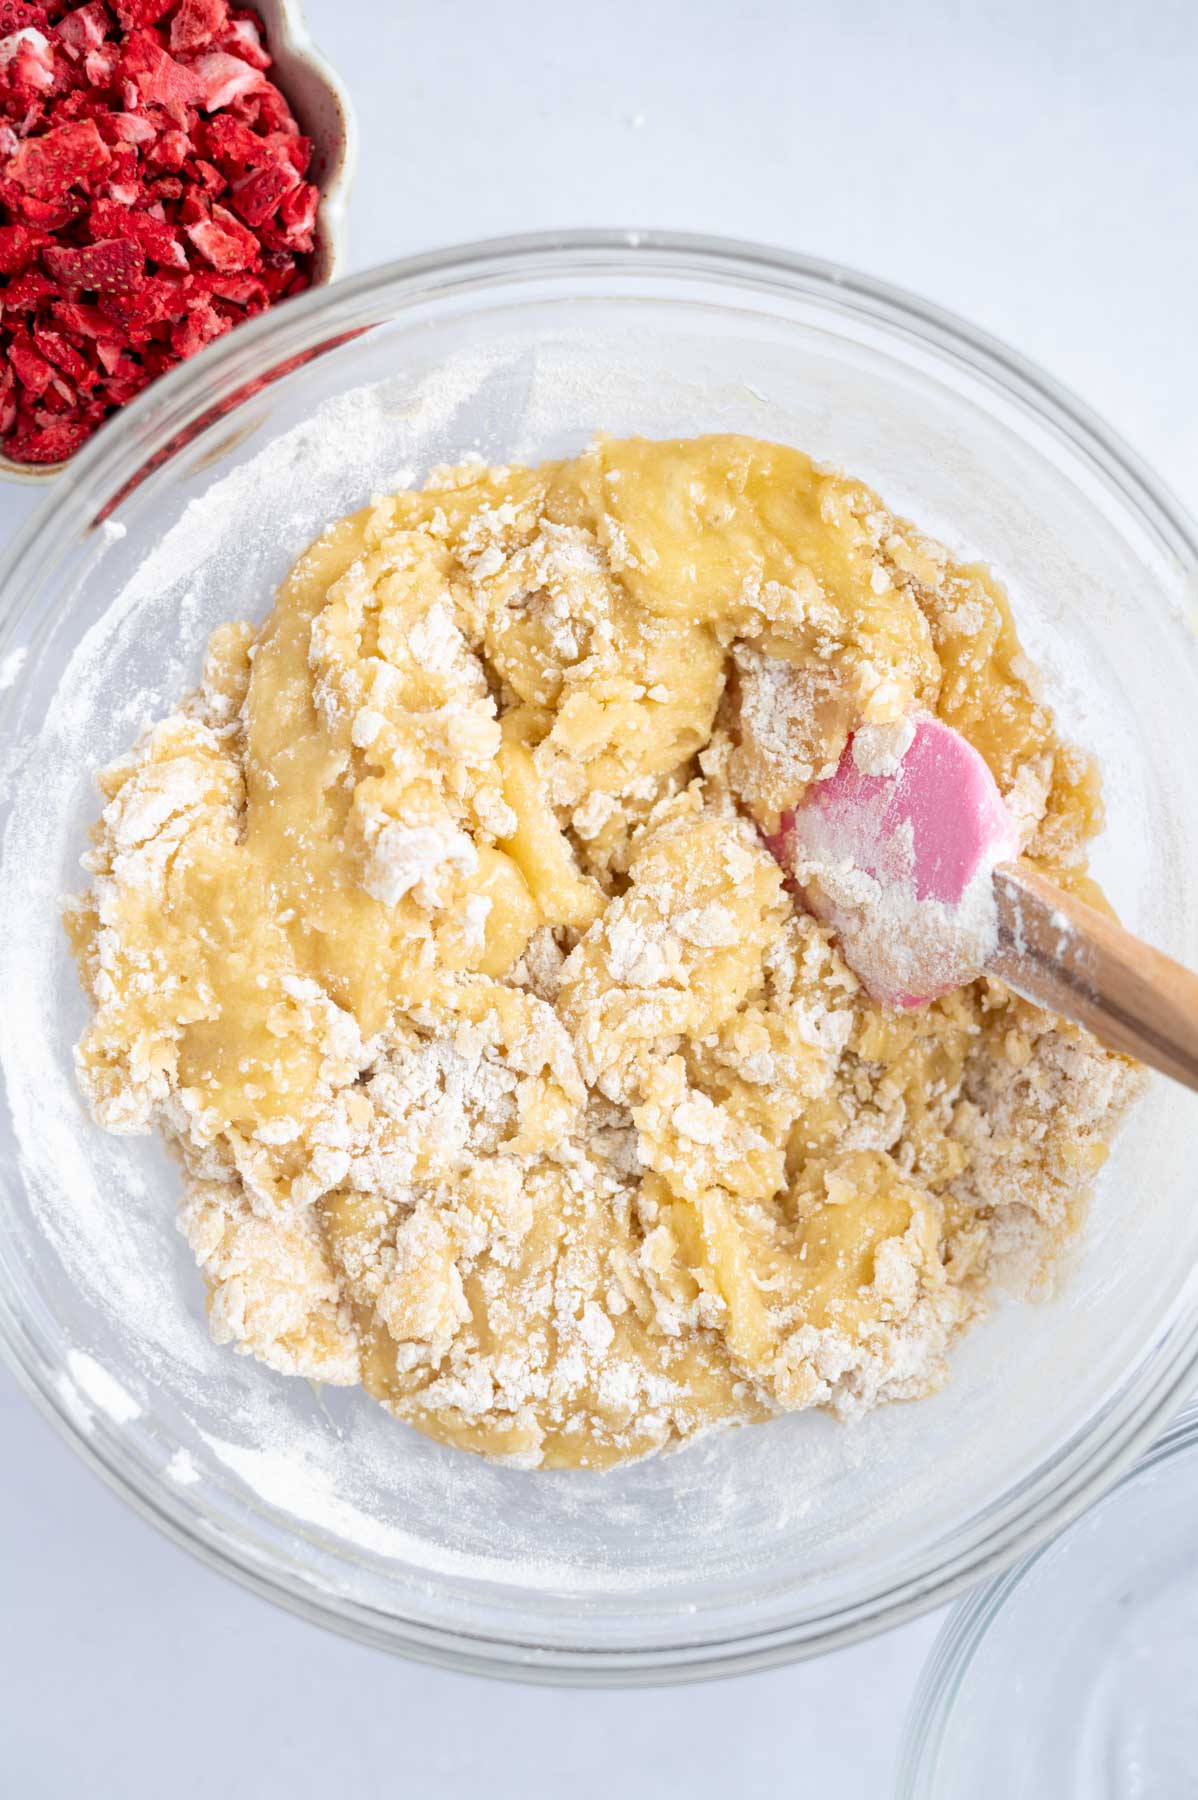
{"x":226,"y":139}
{"x":55,"y":348}
{"x":171,"y":150}
{"x":270,"y":110}
{"x":47,"y":166}
{"x":236,"y":147}
{"x":128,"y":128}
{"x":60,"y":397}
{"x":207,"y":177}
{"x":256,"y":196}
{"x":194,"y":205}
{"x":19,"y":247}
{"x":82,"y":318}
{"x":202,"y":324}
{"x":112,"y":266}
{"x":51,"y":443}
{"x":21,"y":15}
{"x":83,"y":29}
{"x":100,"y":66}
{"x":112,"y":356}
{"x":159,"y":240}
{"x":27,"y":291}
{"x":276,"y":277}
{"x":79,"y":103}
{"x":297,"y":215}
{"x":50,"y":215}
{"x":225,"y":242}
{"x":296,"y":149}
{"x":27,"y":63}
{"x":243,"y":37}
{"x":224,"y":78}
{"x":31,"y":369}
{"x":196,"y":23}
{"x":124,"y":166}
{"x":136,"y":314}
{"x":157,"y":78}
{"x":244,"y":290}
{"x":125,"y":387}
{"x":136,"y":14}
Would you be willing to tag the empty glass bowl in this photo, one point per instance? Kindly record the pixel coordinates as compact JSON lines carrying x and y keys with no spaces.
{"x":773,"y":1541}
{"x":1074,"y":1675}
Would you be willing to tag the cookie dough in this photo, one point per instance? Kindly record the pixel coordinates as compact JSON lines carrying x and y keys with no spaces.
{"x":438,"y":933}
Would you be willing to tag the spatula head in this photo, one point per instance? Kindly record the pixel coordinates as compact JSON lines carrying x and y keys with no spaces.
{"x":899,"y":861}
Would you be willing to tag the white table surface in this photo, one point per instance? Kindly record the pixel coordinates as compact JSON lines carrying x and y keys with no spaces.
{"x":1033,"y":165}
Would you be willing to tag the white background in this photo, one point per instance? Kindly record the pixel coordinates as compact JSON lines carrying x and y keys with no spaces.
{"x":1032,"y":164}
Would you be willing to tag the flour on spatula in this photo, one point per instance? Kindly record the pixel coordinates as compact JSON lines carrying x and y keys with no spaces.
{"x":897,"y":852}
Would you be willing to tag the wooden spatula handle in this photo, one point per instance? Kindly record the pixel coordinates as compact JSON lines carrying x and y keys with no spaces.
{"x":1061,"y":953}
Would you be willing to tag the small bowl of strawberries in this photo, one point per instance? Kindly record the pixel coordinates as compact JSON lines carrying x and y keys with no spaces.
{"x":168,"y":168}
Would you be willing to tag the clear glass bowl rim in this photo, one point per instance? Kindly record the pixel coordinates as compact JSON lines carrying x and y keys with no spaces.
{"x":160,"y":421}
{"x":968,"y":1625}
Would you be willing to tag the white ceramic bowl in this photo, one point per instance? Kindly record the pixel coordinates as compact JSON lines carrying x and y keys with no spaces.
{"x":773,"y":1541}
{"x":324,"y":110}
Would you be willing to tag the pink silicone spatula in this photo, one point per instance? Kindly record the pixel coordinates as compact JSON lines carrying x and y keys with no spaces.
{"x":936,"y":847}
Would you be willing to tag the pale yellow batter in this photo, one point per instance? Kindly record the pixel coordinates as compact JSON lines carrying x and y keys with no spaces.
{"x":437,"y":932}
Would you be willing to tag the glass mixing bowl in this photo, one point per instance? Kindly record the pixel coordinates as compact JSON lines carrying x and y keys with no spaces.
{"x":769,"y":1542}
{"x":1073,"y":1675}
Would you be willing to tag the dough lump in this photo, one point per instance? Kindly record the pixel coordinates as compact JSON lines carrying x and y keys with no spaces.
{"x":438,"y":933}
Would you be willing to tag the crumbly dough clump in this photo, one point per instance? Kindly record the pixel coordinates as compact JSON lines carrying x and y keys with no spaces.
{"x":438,"y":933}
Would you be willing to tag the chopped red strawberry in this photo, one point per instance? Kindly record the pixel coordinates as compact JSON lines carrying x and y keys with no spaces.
{"x":27,"y":62}
{"x":243,"y":37}
{"x":196,"y":23}
{"x":133,"y":14}
{"x":100,"y":65}
{"x":20,"y":246}
{"x":272,"y":112}
{"x":130,"y":128}
{"x":84,"y":29}
{"x":82,"y":319}
{"x":157,"y":78}
{"x":201,"y":325}
{"x":28,"y":291}
{"x":55,"y":348}
{"x":31,"y":369}
{"x":207,"y":177}
{"x":225,"y":242}
{"x":170,"y":150}
{"x":52,"y":443}
{"x":224,"y":78}
{"x":69,"y":154}
{"x":242,"y":290}
{"x":257,"y":195}
{"x":111,"y":266}
{"x":50,"y":215}
{"x":228,"y":140}
{"x":22,"y":15}
{"x":158,"y":299}
{"x":297,"y":215}
{"x":160,"y":242}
